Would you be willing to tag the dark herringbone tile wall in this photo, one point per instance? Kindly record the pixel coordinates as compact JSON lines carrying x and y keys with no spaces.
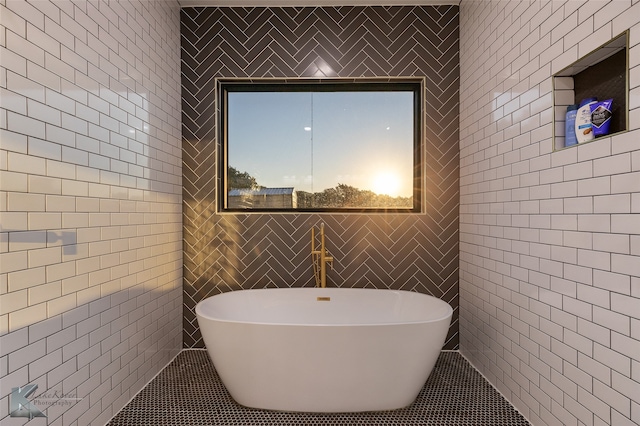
{"x":402,"y":251}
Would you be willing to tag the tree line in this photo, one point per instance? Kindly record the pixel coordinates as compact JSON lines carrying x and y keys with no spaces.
{"x":342,"y":196}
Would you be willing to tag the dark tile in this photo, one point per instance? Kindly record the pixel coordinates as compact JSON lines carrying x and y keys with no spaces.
{"x":189,"y":392}
{"x":346,"y":42}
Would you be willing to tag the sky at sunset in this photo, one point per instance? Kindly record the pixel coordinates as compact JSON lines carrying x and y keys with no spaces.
{"x":313,"y":141}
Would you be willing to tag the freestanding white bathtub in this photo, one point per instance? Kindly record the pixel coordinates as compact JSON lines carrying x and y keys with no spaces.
{"x":323,"y":350}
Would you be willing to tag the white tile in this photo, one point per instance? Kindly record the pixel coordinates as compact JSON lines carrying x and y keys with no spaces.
{"x":75,"y":156}
{"x":564,"y":93}
{"x":24,"y":356}
{"x":612,"y":281}
{"x":60,"y":136}
{"x":615,"y":360}
{"x":12,"y":141}
{"x":594,"y":38}
{"x":564,"y":189}
{"x":578,"y":239}
{"x":578,"y":274}
{"x":583,"y":345}
{"x":612,"y":243}
{"x":60,"y":101}
{"x":566,"y":58}
{"x":58,"y":32}
{"x":580,"y":205}
{"x":13,"y":221}
{"x":615,"y":164}
{"x":570,"y":355}
{"x":87,"y":114}
{"x":75,"y":220}
{"x":75,"y":283}
{"x":60,"y":170}
{"x":41,"y":148}
{"x":628,"y":182}
{"x":27,"y":316}
{"x":41,"y":75}
{"x":549,"y":20}
{"x":87,"y":204}
{"x":44,"y":292}
{"x":595,"y":186}
{"x":635,"y":245}
{"x":75,"y":188}
{"x":11,"y":302}
{"x":25,"y":125}
{"x":13,"y":181}
{"x":45,"y":364}
{"x":564,"y":222}
{"x":26,"y":164}
{"x":39,"y":38}
{"x":625,"y":142}
{"x":45,"y":185}
{"x":590,"y":151}
{"x":612,"y":320}
{"x":13,"y":21}
{"x":60,"y":271}
{"x":594,"y":223}
{"x":597,"y":406}
{"x":593,"y":295}
{"x":620,"y":203}
{"x":57,"y":168}
{"x":13,"y":101}
{"x":61,"y":305}
{"x":86,"y":176}
{"x":74,"y":124}
{"x":625,"y":223}
{"x":98,"y":162}
{"x":613,"y":398}
{"x":24,"y":202}
{"x":582,"y":310}
{"x":24,"y":48}
{"x":595,"y":259}
{"x":44,"y":221}
{"x":625,"y":264}
{"x":625,"y":305}
{"x":56,"y":203}
{"x":613,"y":10}
{"x":99,"y":190}
{"x":634,"y":116}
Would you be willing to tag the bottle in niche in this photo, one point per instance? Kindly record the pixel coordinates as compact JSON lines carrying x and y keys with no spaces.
{"x":570,"y":125}
{"x":584,"y":129}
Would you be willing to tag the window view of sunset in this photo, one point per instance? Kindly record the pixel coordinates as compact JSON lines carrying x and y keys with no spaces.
{"x":326,"y":149}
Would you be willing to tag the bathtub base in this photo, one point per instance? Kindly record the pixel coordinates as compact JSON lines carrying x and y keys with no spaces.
{"x":328,"y":383}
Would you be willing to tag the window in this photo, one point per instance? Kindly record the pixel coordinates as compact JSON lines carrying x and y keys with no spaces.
{"x":325,"y":145}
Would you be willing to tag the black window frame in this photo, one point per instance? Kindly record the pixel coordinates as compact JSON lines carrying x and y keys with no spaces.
{"x":415,"y":85}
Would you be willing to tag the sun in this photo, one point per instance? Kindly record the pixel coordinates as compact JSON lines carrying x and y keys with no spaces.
{"x":387,"y":183}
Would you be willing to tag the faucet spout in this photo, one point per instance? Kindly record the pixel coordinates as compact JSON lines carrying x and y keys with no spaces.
{"x":320,"y":258}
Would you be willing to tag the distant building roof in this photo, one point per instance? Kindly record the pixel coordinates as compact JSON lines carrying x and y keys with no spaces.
{"x":261,"y":191}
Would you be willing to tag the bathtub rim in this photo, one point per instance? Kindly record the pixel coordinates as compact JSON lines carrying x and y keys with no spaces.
{"x":446,"y":315}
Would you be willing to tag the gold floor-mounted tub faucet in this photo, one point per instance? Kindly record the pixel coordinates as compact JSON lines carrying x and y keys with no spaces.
{"x":320,"y":258}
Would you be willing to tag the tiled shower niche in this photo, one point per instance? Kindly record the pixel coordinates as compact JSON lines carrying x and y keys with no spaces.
{"x":603,"y":73}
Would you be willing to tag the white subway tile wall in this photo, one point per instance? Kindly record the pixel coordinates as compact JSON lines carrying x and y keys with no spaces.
{"x":90,"y":201}
{"x":550,"y":241}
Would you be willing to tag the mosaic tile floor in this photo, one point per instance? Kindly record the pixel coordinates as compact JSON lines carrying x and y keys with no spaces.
{"x":189,"y":392}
